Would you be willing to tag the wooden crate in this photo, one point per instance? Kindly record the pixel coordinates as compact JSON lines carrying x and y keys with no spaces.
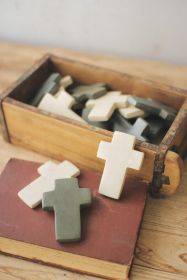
{"x":61,"y":138}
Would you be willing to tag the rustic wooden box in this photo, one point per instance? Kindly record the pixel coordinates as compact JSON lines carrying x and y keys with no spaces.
{"x":59,"y":137}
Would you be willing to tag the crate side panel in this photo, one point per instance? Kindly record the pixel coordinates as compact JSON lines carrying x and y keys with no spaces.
{"x":62,"y":140}
{"x":25,"y":87}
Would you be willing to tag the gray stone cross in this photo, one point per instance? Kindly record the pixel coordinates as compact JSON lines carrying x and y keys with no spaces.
{"x":50,"y":85}
{"x":139,"y":129}
{"x":153,"y":107}
{"x":84,"y":92}
{"x":65,"y":201}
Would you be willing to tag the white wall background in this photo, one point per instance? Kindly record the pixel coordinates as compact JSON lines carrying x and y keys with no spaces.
{"x":152,"y":29}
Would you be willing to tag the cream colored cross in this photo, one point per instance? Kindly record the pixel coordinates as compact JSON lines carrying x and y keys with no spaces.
{"x":103,"y":107}
{"x":32,"y":193}
{"x":118,"y":155}
{"x":60,"y":104}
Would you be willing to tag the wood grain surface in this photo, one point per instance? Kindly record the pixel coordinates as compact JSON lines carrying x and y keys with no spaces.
{"x":162,"y":246}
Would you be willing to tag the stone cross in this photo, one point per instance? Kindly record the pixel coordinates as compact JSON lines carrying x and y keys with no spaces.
{"x":84,"y":92}
{"x":66,"y":201}
{"x":104,"y":107}
{"x":32,"y":193}
{"x":60,"y":104}
{"x":50,"y":85}
{"x":66,"y":81}
{"x":131,"y":112}
{"x":85,"y":113}
{"x":153,"y":107}
{"x":118,"y":155}
{"x":139,"y":129}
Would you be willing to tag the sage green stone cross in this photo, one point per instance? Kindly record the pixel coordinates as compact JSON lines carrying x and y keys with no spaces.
{"x":153,"y":107}
{"x":51,"y":85}
{"x":66,"y":201}
{"x":84,"y":92}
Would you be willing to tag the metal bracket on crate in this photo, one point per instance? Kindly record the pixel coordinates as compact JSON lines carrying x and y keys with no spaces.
{"x":165,"y":180}
{"x":158,"y":177}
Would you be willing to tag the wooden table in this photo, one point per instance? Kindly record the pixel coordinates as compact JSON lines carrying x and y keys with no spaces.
{"x":162,"y":246}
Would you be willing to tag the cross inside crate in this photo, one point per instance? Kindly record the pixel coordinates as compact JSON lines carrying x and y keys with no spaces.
{"x":98,"y":105}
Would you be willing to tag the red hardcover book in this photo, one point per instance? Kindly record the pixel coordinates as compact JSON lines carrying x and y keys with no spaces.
{"x":109,"y":227}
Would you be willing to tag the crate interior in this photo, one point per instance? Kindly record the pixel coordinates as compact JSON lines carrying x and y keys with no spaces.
{"x":87,"y":74}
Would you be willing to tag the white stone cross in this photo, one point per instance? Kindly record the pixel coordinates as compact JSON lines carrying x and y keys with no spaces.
{"x":32,"y":194}
{"x":103,"y":107}
{"x":60,"y":104}
{"x":119,"y":156}
{"x":131,"y":112}
{"x":66,"y":81}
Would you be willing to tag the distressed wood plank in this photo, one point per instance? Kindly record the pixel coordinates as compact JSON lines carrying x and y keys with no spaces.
{"x":144,"y":273}
{"x":12,"y":268}
{"x":162,"y":251}
{"x":169,"y":215}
